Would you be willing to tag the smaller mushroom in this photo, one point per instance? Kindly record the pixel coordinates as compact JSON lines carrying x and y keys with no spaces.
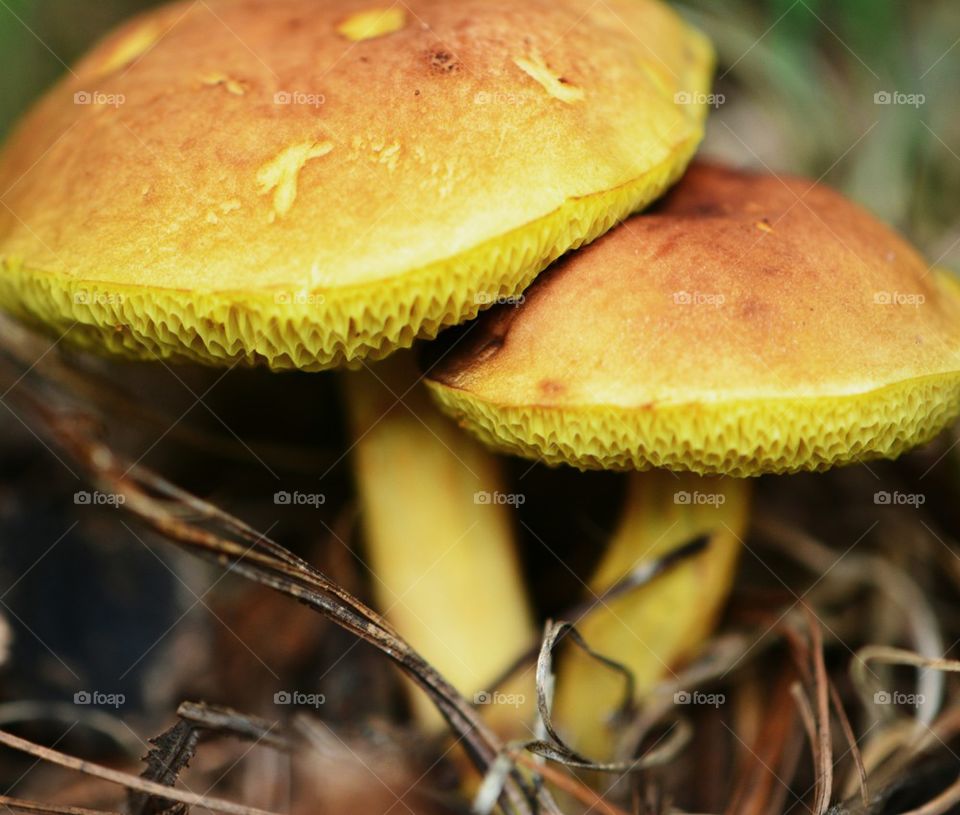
{"x":689,"y":339}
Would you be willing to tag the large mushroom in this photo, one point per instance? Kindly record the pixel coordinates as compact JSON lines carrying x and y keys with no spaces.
{"x":310,"y":184}
{"x":306,"y":184}
{"x":747,"y":324}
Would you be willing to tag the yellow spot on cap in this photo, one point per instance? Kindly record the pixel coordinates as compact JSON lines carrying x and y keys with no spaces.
{"x":536,"y":68}
{"x":390,"y":156}
{"x":764,"y":226}
{"x":376,"y":22}
{"x":280,"y":174}
{"x":130,"y":48}
{"x":232,"y":85}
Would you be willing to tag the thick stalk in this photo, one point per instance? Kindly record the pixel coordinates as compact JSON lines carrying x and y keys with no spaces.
{"x":653,"y":629}
{"x":439,"y":543}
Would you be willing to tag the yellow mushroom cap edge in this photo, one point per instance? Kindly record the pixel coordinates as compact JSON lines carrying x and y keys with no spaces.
{"x":746,"y":324}
{"x":305,"y":184}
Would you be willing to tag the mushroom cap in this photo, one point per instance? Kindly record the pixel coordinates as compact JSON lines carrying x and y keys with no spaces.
{"x":309,"y":182}
{"x":746,"y":324}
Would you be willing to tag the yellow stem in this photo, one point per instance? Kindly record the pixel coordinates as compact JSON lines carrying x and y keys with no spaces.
{"x":655,"y":628}
{"x":440,"y":545}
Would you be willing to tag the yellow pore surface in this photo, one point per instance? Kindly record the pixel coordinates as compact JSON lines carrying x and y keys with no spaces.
{"x":746,"y":324}
{"x":306,"y":183}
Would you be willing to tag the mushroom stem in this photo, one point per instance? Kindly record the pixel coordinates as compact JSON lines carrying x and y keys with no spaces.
{"x":655,"y":628}
{"x":441,"y":554}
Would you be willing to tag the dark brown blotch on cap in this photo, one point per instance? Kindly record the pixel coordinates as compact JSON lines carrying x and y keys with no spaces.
{"x":443,"y":61}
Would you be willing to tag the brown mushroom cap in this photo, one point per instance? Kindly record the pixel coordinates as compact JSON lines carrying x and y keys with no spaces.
{"x":747,"y":324}
{"x":308,"y":182}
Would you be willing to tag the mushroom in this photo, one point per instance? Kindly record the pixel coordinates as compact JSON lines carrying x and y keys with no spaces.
{"x":746,"y":324}
{"x":439,"y":542}
{"x":307,"y":185}
{"x":311,"y":186}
